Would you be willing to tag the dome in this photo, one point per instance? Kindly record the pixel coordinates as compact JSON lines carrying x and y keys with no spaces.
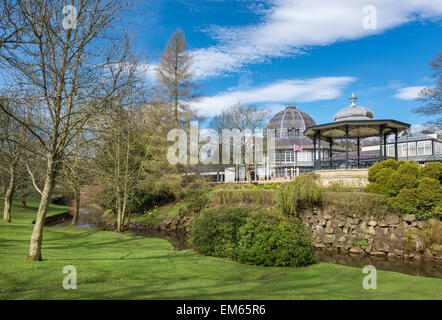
{"x":290,"y":122}
{"x":353,"y":112}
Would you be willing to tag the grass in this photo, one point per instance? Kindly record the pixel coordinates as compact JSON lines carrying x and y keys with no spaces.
{"x":119,"y":266}
{"x":259,"y":197}
{"x":357,"y":202}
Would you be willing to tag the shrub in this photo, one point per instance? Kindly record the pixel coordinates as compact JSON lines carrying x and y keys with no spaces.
{"x":432,"y":170}
{"x":412,"y":190}
{"x":384,"y":179}
{"x":250,"y":197}
{"x":390,"y":163}
{"x":270,"y":239}
{"x":431,"y":234}
{"x":215,"y":232}
{"x":405,"y":202}
{"x":410,"y":167}
{"x":373,"y":170}
{"x":429,"y":195}
{"x":398,"y":181}
{"x":373,"y":187}
{"x":437,"y":211}
{"x":252,"y":235}
{"x":196,"y":201}
{"x":304,"y":191}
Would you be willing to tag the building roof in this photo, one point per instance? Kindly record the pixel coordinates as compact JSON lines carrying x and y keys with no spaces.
{"x":293,"y":118}
{"x":356,"y":128}
{"x":416,"y":136}
{"x":290,"y":118}
{"x":353,"y":112}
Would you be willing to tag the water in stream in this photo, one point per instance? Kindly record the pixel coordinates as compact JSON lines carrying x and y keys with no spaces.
{"x":88,"y":218}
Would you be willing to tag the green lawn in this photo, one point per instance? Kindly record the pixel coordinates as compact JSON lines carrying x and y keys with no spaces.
{"x":118,"y":266}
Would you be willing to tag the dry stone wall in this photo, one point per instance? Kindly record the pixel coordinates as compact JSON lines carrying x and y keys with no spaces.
{"x":389,"y":236}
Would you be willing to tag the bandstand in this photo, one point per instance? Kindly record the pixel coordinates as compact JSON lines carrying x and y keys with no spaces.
{"x":353,"y":122}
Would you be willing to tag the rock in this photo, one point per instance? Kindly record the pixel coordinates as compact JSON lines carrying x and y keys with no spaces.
{"x":322,"y":222}
{"x":319,"y":246}
{"x":409,"y":218}
{"x":328,"y":230}
{"x":383,"y":224}
{"x":393,"y":237}
{"x":392,"y":219}
{"x":428,"y":254}
{"x":366,"y":229}
{"x":392,"y":256}
{"x":329,"y":238}
{"x":327,"y":217}
{"x":356,"y":250}
{"x":355,"y":221}
{"x":342,"y":239}
{"x":372,"y":223}
{"x":368,"y":248}
{"x":379,"y":254}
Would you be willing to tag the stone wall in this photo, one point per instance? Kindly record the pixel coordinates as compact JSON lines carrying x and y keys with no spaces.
{"x":349,"y":177}
{"x":389,"y":236}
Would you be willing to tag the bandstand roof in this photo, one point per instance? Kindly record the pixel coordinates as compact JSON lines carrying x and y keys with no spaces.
{"x":356,"y":128}
{"x":360,"y":124}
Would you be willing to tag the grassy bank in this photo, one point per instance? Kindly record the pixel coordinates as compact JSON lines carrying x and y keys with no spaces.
{"x":118,"y":266}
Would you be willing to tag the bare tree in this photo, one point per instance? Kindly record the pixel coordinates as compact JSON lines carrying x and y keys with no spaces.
{"x":242,"y":117}
{"x":74,"y":66}
{"x":12,"y":148}
{"x":74,"y":173}
{"x":175,"y":76}
{"x":431,"y":97}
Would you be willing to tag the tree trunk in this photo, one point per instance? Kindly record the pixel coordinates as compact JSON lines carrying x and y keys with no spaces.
{"x":37,"y":233}
{"x":8,"y":197}
{"x":77,"y":208}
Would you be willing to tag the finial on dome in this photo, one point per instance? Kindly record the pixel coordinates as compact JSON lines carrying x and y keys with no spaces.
{"x":353,"y":99}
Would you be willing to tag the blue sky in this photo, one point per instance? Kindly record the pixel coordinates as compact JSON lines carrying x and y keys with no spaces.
{"x":310,"y":53}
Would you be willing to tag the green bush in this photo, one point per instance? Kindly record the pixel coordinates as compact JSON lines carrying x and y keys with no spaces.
{"x":432,"y":170}
{"x":412,"y":190}
{"x":390,"y":163}
{"x":270,"y":239}
{"x":304,"y":191}
{"x":410,"y":167}
{"x":429,"y":195}
{"x":384,"y":179}
{"x":215,"y":232}
{"x":196,"y":201}
{"x":399,"y":181}
{"x":405,"y":202}
{"x":252,"y":235}
{"x":373,"y":170}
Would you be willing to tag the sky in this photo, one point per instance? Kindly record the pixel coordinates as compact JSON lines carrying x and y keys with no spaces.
{"x":312,"y":54}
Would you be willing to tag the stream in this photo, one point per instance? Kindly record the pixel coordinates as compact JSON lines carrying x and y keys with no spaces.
{"x":424,"y":268}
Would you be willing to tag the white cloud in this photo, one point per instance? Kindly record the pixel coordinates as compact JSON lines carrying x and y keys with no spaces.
{"x":283,"y":91}
{"x":288,"y":27}
{"x":408,"y":93}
